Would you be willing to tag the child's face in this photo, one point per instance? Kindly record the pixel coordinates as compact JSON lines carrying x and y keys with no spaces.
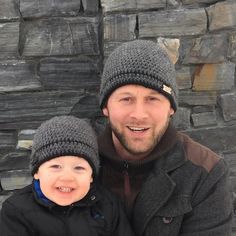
{"x":65,"y":180}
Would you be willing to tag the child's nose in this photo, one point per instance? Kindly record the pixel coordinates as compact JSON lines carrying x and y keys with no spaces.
{"x":67,"y":174}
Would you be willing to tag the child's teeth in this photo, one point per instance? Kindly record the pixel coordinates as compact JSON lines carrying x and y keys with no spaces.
{"x":65,"y":189}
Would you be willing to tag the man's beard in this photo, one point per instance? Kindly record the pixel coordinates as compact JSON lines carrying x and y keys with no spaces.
{"x":139,"y":150}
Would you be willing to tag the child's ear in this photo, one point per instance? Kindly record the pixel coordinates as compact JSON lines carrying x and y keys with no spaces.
{"x":91,"y":180}
{"x":36,"y":176}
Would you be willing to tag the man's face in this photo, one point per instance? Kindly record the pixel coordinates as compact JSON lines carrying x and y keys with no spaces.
{"x":65,"y":180}
{"x":138,"y":117}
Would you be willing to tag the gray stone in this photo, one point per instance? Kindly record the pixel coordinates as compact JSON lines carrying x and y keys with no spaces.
{"x":222,"y":15}
{"x":69,"y":73}
{"x":17,"y":179}
{"x":202,"y":109}
{"x":42,"y":8}
{"x":119,"y":27}
{"x":181,"y":22}
{"x":197,"y":1}
{"x":197,"y":98}
{"x":181,"y":119}
{"x":7,"y":139}
{"x":230,"y":158}
{"x":9,"y":10}
{"x":90,"y":6}
{"x":15,"y":161}
{"x":60,"y":36}
{"x":121,"y":5}
{"x":232,"y":47}
{"x":228,"y":106}
{"x":234,"y":219}
{"x":219,"y":139}
{"x":87,"y":107}
{"x":127,"y":5}
{"x":204,"y":119}
{"x":9,"y":39}
{"x":210,"y":77}
{"x":109,"y":47}
{"x":184,"y":77}
{"x":18,"y":75}
{"x":16,"y":112}
{"x":207,"y":49}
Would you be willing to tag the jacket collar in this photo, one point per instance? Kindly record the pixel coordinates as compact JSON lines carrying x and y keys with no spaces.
{"x":165,"y":146}
{"x":158,"y":188}
{"x":92,"y":196}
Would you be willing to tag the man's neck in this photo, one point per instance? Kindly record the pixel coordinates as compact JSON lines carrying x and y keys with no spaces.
{"x":125,"y":154}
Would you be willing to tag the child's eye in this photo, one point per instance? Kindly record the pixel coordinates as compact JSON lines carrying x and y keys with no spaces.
{"x":55,"y":166}
{"x":79,"y":168}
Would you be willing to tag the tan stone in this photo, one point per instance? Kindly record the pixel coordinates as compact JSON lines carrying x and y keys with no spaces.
{"x":171,"y":46}
{"x":222,"y":15}
{"x":214,"y":77}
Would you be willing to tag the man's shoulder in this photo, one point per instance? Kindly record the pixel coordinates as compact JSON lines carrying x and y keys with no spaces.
{"x":199,"y":154}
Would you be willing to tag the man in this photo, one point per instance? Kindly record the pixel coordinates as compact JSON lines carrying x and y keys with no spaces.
{"x":170,"y":185}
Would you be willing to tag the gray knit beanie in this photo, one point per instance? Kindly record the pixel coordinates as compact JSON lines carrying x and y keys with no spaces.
{"x":139,"y":62}
{"x":62,"y":136}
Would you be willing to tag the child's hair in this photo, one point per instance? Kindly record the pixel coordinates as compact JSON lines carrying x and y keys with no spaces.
{"x":64,"y":136}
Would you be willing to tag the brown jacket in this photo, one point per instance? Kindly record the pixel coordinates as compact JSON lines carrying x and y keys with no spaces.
{"x":180,"y":189}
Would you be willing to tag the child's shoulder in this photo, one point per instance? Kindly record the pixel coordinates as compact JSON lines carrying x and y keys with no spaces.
{"x":21,"y":197}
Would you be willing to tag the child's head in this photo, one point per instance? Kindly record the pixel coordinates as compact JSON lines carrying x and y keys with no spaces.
{"x":64,"y":159}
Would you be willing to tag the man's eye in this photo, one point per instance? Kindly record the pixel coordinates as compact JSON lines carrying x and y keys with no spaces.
{"x":153,"y":99}
{"x":125,"y":99}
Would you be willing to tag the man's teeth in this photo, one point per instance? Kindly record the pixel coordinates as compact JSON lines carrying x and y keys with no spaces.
{"x":65,"y":189}
{"x":137,"y":129}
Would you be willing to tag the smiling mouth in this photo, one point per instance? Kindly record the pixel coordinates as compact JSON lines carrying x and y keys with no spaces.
{"x":137,"y":129}
{"x":65,"y":189}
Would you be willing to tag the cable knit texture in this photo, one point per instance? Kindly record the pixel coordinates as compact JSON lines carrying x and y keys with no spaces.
{"x":62,"y":136}
{"x":139,"y":62}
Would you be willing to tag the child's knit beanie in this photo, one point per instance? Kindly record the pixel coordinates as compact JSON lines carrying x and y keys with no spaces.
{"x":64,"y":136}
{"x":141,"y":62}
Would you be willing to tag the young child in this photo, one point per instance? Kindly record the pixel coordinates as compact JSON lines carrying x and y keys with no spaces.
{"x":64,"y":198}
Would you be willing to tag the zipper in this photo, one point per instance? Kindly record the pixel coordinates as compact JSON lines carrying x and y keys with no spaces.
{"x":127,"y":188}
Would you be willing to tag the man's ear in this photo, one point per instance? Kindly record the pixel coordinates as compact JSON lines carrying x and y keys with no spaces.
{"x":172,"y":112}
{"x":105,"y":111}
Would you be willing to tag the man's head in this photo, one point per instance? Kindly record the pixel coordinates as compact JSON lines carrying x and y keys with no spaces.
{"x":140,"y":62}
{"x":138,"y":94}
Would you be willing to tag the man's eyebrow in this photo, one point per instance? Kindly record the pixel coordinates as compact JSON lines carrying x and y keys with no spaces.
{"x":125,"y":93}
{"x":154,"y":93}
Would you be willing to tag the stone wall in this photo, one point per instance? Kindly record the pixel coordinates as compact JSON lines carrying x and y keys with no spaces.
{"x":51,"y":58}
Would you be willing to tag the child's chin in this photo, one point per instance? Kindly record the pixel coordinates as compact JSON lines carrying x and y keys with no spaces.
{"x":64,"y":203}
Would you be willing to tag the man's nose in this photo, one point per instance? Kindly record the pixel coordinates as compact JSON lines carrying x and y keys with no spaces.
{"x":139,"y":110}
